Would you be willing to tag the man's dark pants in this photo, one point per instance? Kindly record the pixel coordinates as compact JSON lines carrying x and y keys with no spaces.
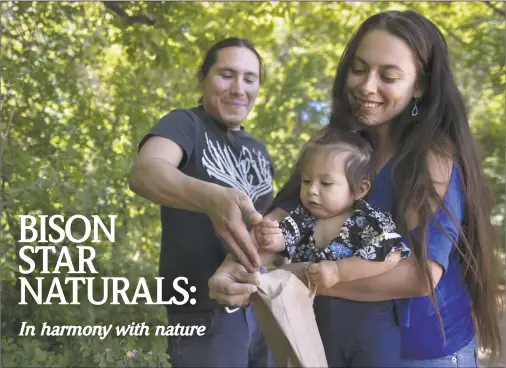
{"x":231,"y":340}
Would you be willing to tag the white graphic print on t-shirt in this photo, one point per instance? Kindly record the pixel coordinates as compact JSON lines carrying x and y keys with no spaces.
{"x":250,"y":172}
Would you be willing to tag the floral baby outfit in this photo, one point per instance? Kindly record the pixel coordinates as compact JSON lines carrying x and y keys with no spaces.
{"x":369,"y":233}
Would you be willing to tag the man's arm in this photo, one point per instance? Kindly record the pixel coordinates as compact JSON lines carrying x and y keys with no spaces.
{"x":156,"y":177}
{"x":407,"y":279}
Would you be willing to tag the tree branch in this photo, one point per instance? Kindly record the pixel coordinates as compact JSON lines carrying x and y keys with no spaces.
{"x":498,"y":11}
{"x":131,"y":19}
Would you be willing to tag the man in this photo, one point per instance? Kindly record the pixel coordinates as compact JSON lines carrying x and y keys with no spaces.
{"x":208,"y":174}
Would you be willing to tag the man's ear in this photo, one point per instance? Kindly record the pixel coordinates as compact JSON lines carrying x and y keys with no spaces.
{"x":363,"y":189}
{"x":200,"y":82}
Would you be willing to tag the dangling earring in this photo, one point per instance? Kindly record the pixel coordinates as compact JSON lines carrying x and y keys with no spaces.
{"x":414,"y":112}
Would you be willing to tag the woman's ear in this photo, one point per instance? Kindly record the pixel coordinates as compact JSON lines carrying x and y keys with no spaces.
{"x":418,"y":93}
{"x":363,"y":189}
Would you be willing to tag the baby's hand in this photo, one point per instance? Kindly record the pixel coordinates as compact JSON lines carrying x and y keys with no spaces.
{"x":324,"y":274}
{"x":269,"y":236}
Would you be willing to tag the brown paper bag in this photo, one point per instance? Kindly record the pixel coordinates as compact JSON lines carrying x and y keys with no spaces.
{"x":284,"y":308}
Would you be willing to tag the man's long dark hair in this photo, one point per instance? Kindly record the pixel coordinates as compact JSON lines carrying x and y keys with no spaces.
{"x":442,"y":128}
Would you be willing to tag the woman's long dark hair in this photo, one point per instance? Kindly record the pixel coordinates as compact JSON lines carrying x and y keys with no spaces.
{"x":441,"y":127}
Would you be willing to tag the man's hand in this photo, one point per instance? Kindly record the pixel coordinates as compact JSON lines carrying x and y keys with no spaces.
{"x":231,"y":284}
{"x":228,"y":210}
{"x":269,"y":236}
{"x":324,"y":274}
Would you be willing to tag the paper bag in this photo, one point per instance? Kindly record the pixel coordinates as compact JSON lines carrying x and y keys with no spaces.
{"x":284,"y":308}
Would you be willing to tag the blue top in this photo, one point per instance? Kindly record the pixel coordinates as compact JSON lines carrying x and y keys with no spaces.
{"x":421,"y":335}
{"x":421,"y":332}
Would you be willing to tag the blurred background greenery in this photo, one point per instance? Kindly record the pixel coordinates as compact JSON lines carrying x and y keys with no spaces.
{"x":83,"y":82}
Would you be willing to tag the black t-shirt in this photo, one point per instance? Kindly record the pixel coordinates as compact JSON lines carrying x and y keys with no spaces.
{"x":212,"y":153}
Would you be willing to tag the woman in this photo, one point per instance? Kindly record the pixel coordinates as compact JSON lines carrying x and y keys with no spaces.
{"x":395,"y":79}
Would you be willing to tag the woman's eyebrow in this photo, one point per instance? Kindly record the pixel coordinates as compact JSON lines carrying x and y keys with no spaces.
{"x":386,"y":66}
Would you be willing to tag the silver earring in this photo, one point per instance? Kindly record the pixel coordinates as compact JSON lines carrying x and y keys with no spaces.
{"x":414,"y":112}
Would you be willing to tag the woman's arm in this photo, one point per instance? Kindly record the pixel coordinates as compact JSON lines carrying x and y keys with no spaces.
{"x":406,"y":279}
{"x":355,"y":268}
{"x":403,"y":281}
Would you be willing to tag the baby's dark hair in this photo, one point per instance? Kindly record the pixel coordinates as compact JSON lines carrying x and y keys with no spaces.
{"x":360,"y":163}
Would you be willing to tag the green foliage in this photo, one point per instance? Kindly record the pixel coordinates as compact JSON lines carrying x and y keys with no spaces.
{"x":91,"y":352}
{"x":83,"y":82}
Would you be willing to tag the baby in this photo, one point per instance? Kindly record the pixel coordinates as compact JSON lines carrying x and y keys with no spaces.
{"x":342,"y":238}
{"x":333,"y":228}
